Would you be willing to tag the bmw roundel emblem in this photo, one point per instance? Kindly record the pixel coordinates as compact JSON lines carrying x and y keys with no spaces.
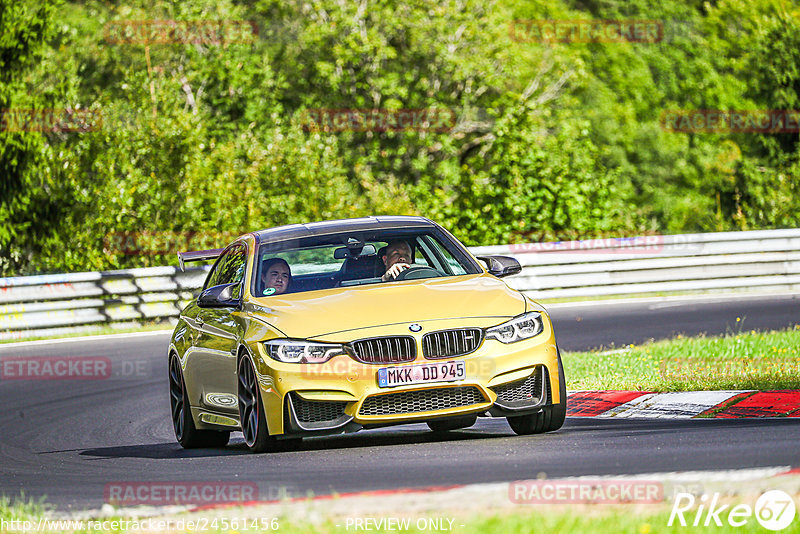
{"x":415,"y":327}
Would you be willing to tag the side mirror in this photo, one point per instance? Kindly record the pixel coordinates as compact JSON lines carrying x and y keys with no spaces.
{"x":219,"y":297}
{"x":501,"y":266}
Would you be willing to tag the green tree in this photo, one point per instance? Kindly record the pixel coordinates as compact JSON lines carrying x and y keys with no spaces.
{"x":29,"y":199}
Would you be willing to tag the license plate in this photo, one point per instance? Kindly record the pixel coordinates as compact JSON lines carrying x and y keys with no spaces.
{"x":421,"y":374}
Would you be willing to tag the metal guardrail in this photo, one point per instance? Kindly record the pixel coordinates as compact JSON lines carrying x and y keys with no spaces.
{"x":57,"y":304}
{"x":767,"y":260}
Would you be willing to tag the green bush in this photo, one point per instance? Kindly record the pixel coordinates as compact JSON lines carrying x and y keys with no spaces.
{"x":547,"y":141}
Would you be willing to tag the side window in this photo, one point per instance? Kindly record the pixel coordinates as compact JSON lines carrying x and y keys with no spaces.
{"x":211,"y":281}
{"x":230,"y":268}
{"x":440,"y":253}
{"x":419,"y":256}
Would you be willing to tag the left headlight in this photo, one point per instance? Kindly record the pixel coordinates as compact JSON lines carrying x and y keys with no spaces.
{"x":294,"y":351}
{"x":523,"y":327}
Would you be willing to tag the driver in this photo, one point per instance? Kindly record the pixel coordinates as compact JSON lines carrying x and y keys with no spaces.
{"x":397,"y":259}
{"x":276,"y":276}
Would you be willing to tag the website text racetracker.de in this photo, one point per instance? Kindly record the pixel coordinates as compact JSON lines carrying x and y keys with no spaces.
{"x":71,"y":368}
{"x":646,"y":244}
{"x":179,"y":493}
{"x":54,"y":368}
{"x":765,"y":121}
{"x":586,"y":491}
{"x":348,"y":367}
{"x":54,"y":120}
{"x":153,"y":243}
{"x":207,"y":32}
{"x":378,"y":120}
{"x":587,"y":31}
{"x":149,"y":524}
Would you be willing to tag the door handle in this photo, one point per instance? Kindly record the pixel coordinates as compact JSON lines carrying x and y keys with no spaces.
{"x":200,"y":320}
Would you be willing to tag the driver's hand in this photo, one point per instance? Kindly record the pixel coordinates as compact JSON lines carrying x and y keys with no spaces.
{"x":393,"y":271}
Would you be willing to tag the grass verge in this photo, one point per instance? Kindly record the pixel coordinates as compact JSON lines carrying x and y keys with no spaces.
{"x":587,"y":519}
{"x":748,"y":360}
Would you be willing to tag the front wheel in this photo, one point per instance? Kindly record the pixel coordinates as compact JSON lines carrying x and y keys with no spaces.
{"x":252,"y":417}
{"x":186,"y":432}
{"x":549,"y":418}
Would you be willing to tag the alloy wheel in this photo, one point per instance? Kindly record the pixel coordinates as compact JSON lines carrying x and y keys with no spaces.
{"x":248,"y":401}
{"x":176,"y":396}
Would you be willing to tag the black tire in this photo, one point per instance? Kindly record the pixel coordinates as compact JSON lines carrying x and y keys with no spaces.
{"x":549,"y":418}
{"x":453,"y":423}
{"x":186,"y":432}
{"x":534,"y":423}
{"x":251,"y":414}
{"x":558,"y":412}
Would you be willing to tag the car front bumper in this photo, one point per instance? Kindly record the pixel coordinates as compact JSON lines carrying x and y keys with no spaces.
{"x":343,"y":394}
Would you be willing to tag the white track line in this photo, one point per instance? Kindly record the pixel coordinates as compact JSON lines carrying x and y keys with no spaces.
{"x":104,"y":337}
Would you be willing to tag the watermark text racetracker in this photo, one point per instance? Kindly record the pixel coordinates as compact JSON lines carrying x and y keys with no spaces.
{"x":645,"y":244}
{"x":585,"y":491}
{"x":50,"y":120}
{"x":731,"y":368}
{"x":147,"y":243}
{"x":205,"y":32}
{"x":765,"y":121}
{"x":586,"y":31}
{"x":195,"y":493}
{"x":353,"y":370}
{"x":168,"y":493}
{"x":378,"y":120}
{"x":72,"y":368}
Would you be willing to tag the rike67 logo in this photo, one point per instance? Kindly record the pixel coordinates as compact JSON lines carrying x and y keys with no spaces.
{"x":774,"y":510}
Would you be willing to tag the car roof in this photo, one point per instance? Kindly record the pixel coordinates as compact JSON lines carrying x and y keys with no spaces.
{"x":297,"y":231}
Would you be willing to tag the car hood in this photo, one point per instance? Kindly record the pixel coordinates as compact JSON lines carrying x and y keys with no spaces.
{"x":315,"y":314}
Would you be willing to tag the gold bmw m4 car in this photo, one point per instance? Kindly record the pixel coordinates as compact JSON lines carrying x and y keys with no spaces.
{"x":331,"y":327}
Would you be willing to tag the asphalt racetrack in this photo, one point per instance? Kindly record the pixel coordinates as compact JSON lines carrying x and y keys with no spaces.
{"x":68,"y":439}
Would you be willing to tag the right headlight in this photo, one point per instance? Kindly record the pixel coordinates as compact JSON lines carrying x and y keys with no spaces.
{"x":299,"y":351}
{"x":523,"y":327}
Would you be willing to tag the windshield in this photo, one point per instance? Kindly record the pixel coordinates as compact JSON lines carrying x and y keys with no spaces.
{"x":357,"y":258}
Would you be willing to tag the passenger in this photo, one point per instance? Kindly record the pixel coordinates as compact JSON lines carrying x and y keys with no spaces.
{"x":276,"y":276}
{"x":397,"y":259}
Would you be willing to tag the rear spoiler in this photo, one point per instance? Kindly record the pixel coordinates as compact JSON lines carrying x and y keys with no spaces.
{"x":198,"y":255}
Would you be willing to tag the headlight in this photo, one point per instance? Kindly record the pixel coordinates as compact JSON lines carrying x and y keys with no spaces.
{"x":291,"y":351}
{"x":519,"y":328}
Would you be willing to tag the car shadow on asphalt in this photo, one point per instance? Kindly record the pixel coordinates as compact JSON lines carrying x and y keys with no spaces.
{"x":419,"y":434}
{"x":365,"y":438}
{"x":396,"y":436}
{"x":159,"y":451}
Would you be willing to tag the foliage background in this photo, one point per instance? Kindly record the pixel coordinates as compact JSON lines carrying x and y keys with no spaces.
{"x":553,"y":141}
